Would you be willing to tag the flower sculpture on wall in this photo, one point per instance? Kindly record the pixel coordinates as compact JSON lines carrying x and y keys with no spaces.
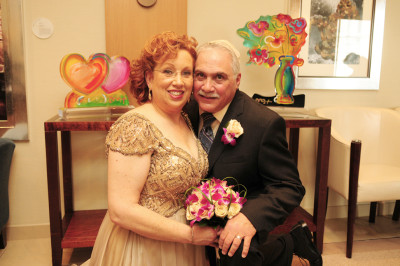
{"x":273,"y":39}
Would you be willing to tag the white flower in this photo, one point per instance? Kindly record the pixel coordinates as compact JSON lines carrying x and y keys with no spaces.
{"x":230,"y":191}
{"x":221,"y":210}
{"x":234,"y":209}
{"x":189,"y":214}
{"x":235,"y":127}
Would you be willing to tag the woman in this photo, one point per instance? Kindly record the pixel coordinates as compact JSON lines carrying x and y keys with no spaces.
{"x":153,"y":158}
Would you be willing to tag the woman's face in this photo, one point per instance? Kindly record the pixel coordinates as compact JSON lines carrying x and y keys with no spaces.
{"x":171,"y":82}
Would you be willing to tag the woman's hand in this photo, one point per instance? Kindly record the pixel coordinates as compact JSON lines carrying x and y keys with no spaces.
{"x":204,"y":236}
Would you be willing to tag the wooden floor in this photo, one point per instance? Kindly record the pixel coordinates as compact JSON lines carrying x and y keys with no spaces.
{"x":375,"y":244}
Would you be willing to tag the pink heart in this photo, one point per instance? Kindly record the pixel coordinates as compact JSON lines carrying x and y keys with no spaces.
{"x":118,"y":74}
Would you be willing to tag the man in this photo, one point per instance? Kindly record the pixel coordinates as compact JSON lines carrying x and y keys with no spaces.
{"x":260,"y":161}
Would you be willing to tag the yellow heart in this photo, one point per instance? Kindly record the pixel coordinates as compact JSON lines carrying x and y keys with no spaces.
{"x":83,"y":76}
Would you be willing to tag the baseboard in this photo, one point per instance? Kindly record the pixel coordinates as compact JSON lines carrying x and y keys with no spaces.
{"x":28,"y":232}
{"x":333,"y":212}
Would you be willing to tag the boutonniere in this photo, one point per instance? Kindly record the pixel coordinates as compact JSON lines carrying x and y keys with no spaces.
{"x":233,"y":131}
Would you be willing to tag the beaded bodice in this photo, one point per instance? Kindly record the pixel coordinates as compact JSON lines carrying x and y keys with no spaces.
{"x":172,"y":169}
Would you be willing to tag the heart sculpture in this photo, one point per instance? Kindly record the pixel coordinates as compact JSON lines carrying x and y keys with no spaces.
{"x":84,"y":76}
{"x":98,"y":98}
{"x":118,"y":74}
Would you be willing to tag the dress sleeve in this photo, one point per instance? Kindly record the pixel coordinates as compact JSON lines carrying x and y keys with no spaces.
{"x":131,"y":135}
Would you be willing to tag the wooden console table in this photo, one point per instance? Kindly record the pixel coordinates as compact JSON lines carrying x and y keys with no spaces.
{"x":79,"y":228}
{"x":316,"y":222}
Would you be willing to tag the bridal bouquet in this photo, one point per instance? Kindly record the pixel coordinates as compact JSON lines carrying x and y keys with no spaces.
{"x":213,"y":202}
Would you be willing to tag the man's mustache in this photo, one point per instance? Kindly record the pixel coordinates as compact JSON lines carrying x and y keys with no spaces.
{"x":208,"y":95}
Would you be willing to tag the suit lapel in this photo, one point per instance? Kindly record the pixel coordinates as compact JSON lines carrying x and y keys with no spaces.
{"x":234,"y":111}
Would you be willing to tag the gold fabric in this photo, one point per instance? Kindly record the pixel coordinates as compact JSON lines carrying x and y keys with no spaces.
{"x":172,"y":172}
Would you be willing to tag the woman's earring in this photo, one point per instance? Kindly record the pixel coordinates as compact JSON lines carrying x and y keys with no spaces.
{"x":150,"y":94}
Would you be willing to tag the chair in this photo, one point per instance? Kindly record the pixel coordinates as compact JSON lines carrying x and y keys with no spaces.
{"x":370,"y":174}
{"x":6,"y":153}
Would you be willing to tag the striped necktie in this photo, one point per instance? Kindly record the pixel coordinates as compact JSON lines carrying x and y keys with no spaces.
{"x":206,"y":135}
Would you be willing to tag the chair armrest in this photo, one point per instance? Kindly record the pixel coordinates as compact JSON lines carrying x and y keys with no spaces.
{"x":339,"y":166}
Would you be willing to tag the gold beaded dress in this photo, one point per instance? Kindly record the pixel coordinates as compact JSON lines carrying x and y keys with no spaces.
{"x":172,"y":172}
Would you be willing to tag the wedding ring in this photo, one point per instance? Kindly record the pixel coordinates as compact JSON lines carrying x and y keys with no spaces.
{"x":238,"y":237}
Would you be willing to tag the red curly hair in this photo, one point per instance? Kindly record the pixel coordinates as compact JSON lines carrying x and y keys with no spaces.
{"x":161,"y":47}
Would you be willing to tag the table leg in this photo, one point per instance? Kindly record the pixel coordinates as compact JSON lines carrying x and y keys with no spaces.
{"x":294,"y":143}
{"x":67,"y":177}
{"x":321,"y":184}
{"x":53,"y":184}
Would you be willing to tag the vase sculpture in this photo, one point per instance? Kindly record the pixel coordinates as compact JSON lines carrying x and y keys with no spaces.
{"x":284,"y":80}
{"x":276,"y":38}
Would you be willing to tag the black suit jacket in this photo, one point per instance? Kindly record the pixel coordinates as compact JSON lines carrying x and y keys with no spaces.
{"x":260,"y":161}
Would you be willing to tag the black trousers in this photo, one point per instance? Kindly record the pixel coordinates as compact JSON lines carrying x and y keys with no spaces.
{"x":277,"y":250}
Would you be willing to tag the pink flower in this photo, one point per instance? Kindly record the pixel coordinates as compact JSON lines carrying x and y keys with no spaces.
{"x":278,"y":40}
{"x":258,"y":28}
{"x":298,"y":25}
{"x":192,"y":198}
{"x":207,"y":211}
{"x":213,"y":202}
{"x":228,"y":138}
{"x":258,"y":56}
{"x":216,"y":196}
{"x":284,"y":18}
{"x":232,"y":131}
{"x":271,"y":61}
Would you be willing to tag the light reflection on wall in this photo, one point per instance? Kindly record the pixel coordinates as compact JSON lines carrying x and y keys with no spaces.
{"x":352,"y":48}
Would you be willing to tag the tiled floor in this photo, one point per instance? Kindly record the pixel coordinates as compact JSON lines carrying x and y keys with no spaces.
{"x":386,"y":250}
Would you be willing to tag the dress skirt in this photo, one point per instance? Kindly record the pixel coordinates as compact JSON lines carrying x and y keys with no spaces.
{"x":118,"y":246}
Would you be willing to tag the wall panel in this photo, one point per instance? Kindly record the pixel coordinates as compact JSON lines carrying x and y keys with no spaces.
{"x":129,"y":25}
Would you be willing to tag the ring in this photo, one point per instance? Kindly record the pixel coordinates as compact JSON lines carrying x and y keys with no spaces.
{"x":238,"y":237}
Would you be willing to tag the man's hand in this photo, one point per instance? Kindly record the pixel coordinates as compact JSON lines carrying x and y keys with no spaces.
{"x":237,"y":226}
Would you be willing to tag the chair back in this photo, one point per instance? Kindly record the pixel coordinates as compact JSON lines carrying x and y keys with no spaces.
{"x":6,"y":152}
{"x":377,"y":128}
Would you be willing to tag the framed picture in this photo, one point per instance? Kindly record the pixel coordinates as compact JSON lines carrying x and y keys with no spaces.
{"x":343,"y":49}
{"x":13,"y":111}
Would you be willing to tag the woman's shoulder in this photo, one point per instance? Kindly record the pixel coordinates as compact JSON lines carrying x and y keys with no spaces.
{"x":132,"y":133}
{"x":132,"y":115}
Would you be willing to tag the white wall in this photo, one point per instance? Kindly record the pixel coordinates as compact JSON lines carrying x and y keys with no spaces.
{"x":79,"y":28}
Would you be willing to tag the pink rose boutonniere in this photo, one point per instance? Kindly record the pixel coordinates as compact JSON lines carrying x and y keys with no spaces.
{"x":233,"y":131}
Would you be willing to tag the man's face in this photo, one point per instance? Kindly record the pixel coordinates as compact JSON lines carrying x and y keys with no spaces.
{"x":214,"y":82}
